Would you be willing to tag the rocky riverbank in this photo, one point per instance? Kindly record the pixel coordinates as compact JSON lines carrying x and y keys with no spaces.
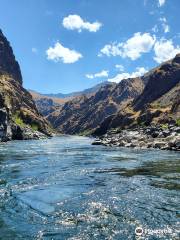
{"x":165,"y":137}
{"x":21,"y":133}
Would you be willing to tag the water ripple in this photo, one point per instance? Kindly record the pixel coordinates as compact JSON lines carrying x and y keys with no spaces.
{"x":65,"y":188}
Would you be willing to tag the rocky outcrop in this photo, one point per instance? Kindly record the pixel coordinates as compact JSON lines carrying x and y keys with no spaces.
{"x":166,"y":137}
{"x":84,"y":114}
{"x":19,"y":117}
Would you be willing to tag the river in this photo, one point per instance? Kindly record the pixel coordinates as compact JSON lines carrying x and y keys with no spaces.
{"x":65,"y":188}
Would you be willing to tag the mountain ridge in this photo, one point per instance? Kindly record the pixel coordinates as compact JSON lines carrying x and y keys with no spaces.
{"x":71,"y":94}
{"x":76,"y":93}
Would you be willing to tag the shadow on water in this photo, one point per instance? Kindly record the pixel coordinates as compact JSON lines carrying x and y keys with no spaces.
{"x":164,"y":173}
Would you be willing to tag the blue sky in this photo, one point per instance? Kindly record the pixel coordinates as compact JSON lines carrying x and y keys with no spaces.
{"x":70,"y":45}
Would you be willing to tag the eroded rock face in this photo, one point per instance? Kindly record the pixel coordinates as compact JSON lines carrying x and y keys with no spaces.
{"x":18,"y":113}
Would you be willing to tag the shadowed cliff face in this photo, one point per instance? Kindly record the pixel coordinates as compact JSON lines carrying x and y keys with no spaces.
{"x":19,"y":118}
{"x":85,"y":113}
{"x":159,"y":82}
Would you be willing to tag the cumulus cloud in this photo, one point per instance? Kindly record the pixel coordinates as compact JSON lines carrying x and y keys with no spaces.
{"x":119,"y":67}
{"x":59,"y":53}
{"x":133,"y":48}
{"x":161,"y":2}
{"x":139,"y":72}
{"x":75,"y":22}
{"x":165,"y":25}
{"x":103,"y":73}
{"x":138,"y":44}
{"x":165,"y":50}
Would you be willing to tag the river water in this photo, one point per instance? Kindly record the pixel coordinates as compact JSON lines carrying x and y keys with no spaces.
{"x":65,"y":188}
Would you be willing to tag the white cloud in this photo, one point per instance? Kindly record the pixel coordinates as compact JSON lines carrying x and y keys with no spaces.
{"x":119,"y":67}
{"x":113,"y":49}
{"x":165,"y":50}
{"x":60,"y":53}
{"x":161,"y":2}
{"x":75,"y":22}
{"x":133,"y":48}
{"x":103,"y":73}
{"x":165,"y":26}
{"x":139,"y":72}
{"x":138,"y":44}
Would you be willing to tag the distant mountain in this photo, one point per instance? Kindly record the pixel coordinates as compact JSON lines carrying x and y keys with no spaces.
{"x":56,"y":100}
{"x":19,"y":117}
{"x":47,"y":103}
{"x":74,"y":94}
{"x":85,"y":113}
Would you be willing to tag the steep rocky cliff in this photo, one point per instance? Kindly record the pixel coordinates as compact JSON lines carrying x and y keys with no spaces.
{"x":159,"y":103}
{"x":85,"y":113}
{"x":19,"y":118}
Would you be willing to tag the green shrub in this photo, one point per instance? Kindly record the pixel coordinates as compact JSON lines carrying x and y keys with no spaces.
{"x":34,"y":127}
{"x":164,"y":126}
{"x":178,"y":122}
{"x":18,"y":121}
